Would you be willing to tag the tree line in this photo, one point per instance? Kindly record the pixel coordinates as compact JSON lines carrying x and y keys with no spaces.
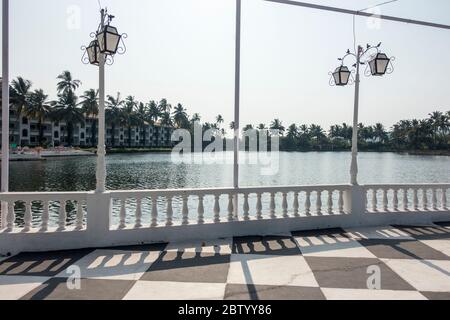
{"x":432,"y":133}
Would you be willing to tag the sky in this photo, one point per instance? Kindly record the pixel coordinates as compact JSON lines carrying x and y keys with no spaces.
{"x":183,"y":50}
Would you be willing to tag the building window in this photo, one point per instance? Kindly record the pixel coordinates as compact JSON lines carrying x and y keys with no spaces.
{"x":33,"y":127}
{"x":82,"y":125}
{"x":56,"y":135}
{"x":56,"y":124}
{"x":137,"y":138}
{"x":121,"y":137}
{"x":24,"y":133}
{"x":24,"y":120}
{"x":33,"y":139}
{"x":11,"y":125}
{"x":82,"y":135}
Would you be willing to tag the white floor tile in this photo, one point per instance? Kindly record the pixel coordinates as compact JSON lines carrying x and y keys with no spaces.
{"x":366,"y":294}
{"x":15,"y":287}
{"x":424,"y":275}
{"x":337,"y":246}
{"x":114,"y":264}
{"x":222,"y":246}
{"x":270,"y":270}
{"x":377,"y":233}
{"x":164,"y":290}
{"x":439,"y":245}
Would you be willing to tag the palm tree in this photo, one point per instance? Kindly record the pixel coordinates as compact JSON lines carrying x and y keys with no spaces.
{"x":67,"y":83}
{"x":180,"y":116}
{"x":232,"y":126}
{"x":166,"y":119}
{"x":164,"y":106}
{"x":219,"y":120}
{"x":277,"y":125}
{"x":39,"y":108}
{"x":89,"y":105}
{"x":153,"y":112}
{"x":379,"y":133}
{"x":141,"y":117}
{"x":114,"y":114}
{"x":316,"y":132}
{"x":195,"y":118}
{"x":129,"y":115}
{"x":66,"y":109}
{"x":20,"y":94}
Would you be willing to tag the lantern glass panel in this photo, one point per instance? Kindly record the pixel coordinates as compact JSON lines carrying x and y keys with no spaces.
{"x":382,"y":63}
{"x":345,"y":75}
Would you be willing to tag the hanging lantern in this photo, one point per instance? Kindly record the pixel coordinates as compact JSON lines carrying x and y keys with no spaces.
{"x":378,"y":65}
{"x":108,"y":40}
{"x":93,"y":52}
{"x":341,"y":76}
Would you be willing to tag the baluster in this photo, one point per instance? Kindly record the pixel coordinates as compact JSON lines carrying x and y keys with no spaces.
{"x":405,"y":199}
{"x":62,"y":216}
{"x":366,"y":200}
{"x":185,"y":211}
{"x":416,"y":200}
{"x":154,"y":213}
{"x":27,"y":217}
{"x":138,"y":223}
{"x":45,"y":216}
{"x":200,"y":210}
{"x":395,"y":200}
{"x":11,"y":216}
{"x":246,"y":207}
{"x":216,"y":208}
{"x":330,"y":202}
{"x":258,"y":206}
{"x":385,"y":200}
{"x":284,"y":205}
{"x":169,"y":211}
{"x":434,"y":199}
{"x":374,"y":200}
{"x":230,"y":207}
{"x":80,"y":216}
{"x":296,"y":205}
{"x":272,"y":205}
{"x":424,"y":199}
{"x":444,"y":199}
{"x":341,"y":201}
{"x":319,"y":202}
{"x":123,"y":213}
{"x":308,"y":203}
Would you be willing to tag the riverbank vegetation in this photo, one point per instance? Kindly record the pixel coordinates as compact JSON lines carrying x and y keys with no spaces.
{"x":420,"y":135}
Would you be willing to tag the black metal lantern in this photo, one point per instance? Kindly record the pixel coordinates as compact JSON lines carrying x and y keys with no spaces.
{"x":379,"y":64}
{"x":108,"y":40}
{"x":93,"y":52}
{"x":341,"y":76}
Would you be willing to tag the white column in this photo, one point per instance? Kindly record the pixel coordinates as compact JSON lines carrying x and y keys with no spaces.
{"x":101,"y":149}
{"x":354,"y":163}
{"x":5,"y":109}
{"x":237,"y":104}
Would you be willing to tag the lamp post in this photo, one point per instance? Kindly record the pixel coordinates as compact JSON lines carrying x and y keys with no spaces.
{"x":100,"y":51}
{"x":377,"y":64}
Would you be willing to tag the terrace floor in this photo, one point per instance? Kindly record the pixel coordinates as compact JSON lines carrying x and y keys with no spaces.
{"x":412,"y":263}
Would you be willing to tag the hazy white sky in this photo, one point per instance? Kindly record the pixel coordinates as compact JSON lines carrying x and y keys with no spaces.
{"x":183,"y":50}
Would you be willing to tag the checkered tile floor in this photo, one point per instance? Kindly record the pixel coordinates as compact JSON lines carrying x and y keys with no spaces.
{"x":413,"y":263}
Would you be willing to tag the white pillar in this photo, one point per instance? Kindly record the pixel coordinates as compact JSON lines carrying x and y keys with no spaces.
{"x":101,"y":148}
{"x":354,"y":163}
{"x":237,"y":81}
{"x":5,"y":109}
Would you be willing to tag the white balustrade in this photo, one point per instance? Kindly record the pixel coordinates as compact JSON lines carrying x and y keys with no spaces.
{"x":410,"y":202}
{"x":35,"y":209}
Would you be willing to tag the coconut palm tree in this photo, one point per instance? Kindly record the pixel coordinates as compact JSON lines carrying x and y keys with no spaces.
{"x":180,"y":116}
{"x":153,"y":112}
{"x":141,"y":118}
{"x":166,"y":119}
{"x":277,"y":125}
{"x":164,"y":106}
{"x":66,"y":82}
{"x":20,"y":95}
{"x":129,"y":115}
{"x":89,"y":105}
{"x":39,"y":108}
{"x":114,"y":114}
{"x":67,"y":109}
